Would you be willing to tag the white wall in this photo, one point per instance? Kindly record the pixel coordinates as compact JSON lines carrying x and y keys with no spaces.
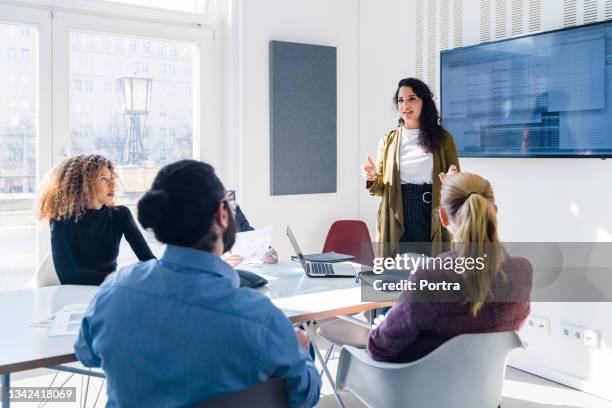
{"x":537,"y":198}
{"x":386,"y":55}
{"x":249,"y":26}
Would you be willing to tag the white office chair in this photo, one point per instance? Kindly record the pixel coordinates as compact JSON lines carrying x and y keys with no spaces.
{"x":465,"y":372}
{"x":45,"y":275}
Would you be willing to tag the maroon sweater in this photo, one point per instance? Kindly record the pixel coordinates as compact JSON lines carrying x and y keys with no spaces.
{"x":412,"y":329}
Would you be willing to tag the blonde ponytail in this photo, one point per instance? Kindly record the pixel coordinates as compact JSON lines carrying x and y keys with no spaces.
{"x":468,"y":200}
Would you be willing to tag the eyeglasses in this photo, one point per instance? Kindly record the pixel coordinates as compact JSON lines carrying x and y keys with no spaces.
{"x":230,"y":199}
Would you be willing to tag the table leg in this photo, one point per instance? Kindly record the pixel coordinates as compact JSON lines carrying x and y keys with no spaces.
{"x":6,"y":386}
{"x":311,"y":334}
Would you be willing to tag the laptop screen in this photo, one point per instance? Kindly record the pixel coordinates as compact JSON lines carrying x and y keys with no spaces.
{"x":295,"y":245}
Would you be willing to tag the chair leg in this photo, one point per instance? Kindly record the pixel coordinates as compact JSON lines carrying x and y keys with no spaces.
{"x":99,"y":391}
{"x":44,"y":402}
{"x":311,"y":334}
{"x":330,"y":350}
{"x":86,"y":391}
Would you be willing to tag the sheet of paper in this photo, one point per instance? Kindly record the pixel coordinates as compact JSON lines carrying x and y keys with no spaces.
{"x":67,"y":321}
{"x":253,"y":245}
{"x":44,"y":323}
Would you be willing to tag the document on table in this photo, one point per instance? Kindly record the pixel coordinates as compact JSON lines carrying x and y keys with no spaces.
{"x":65,"y":322}
{"x":253,"y":245}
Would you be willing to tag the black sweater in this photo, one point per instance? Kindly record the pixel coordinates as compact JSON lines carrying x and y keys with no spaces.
{"x":85,"y":252}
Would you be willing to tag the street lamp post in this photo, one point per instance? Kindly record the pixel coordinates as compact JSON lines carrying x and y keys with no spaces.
{"x":136,"y":103}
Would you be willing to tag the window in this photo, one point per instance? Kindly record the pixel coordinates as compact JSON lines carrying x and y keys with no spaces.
{"x":118,"y":45}
{"x":161,"y":48}
{"x":167,"y":70}
{"x":107,"y":131}
{"x":24,"y":105}
{"x":60,"y":75}
{"x":75,"y":39}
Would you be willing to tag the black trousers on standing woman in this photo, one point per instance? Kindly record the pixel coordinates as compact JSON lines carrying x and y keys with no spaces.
{"x":417,"y":200}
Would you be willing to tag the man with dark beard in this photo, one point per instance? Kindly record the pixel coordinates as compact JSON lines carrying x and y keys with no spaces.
{"x":177,"y":331}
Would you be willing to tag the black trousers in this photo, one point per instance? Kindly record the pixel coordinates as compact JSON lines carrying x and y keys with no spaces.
{"x":417,"y":200}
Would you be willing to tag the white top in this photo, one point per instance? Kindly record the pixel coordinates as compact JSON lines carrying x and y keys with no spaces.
{"x":416,"y":165}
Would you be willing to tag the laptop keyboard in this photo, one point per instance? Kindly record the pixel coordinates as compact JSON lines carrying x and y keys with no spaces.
{"x":320,"y":268}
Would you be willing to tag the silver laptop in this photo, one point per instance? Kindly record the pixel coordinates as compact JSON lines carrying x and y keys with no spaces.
{"x":323,"y":269}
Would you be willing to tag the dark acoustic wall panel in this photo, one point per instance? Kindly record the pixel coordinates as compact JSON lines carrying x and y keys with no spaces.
{"x":302,"y":118}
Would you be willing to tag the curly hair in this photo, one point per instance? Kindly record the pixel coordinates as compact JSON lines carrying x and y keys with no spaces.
{"x":66,"y":193}
{"x":430,"y":124}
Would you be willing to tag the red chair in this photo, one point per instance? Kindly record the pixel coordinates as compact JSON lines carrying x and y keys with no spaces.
{"x":350,"y":237}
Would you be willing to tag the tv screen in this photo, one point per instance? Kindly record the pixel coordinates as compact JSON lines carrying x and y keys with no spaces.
{"x":544,"y":95}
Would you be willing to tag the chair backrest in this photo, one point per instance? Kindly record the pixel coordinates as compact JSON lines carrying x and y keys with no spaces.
{"x":350,"y":237}
{"x":269,"y":394}
{"x":45,"y":274}
{"x":465,"y":372}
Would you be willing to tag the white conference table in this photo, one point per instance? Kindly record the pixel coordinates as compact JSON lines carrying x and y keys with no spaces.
{"x":23,"y":347}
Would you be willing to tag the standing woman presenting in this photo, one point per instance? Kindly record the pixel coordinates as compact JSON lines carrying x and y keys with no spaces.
{"x":411,"y":165}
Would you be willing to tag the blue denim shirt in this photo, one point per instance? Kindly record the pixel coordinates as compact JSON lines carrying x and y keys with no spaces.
{"x":179,"y":330}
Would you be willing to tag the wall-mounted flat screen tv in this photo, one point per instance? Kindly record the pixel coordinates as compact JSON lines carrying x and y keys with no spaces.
{"x":544,"y":95}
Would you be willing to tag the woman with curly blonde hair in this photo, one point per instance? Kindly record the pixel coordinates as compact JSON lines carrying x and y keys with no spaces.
{"x":78,"y":200}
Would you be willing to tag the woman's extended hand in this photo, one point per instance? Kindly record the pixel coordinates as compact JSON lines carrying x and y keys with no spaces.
{"x":368,"y":170}
{"x":452,"y":170}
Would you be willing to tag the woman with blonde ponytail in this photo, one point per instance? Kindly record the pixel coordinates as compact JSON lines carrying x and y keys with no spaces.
{"x":469,"y":212}
{"x":494,"y":292}
{"x":78,"y":201}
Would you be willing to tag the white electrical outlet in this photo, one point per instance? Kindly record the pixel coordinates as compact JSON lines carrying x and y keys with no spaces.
{"x":566,"y":330}
{"x":578,"y":334}
{"x":588,"y":337}
{"x":543,"y":325}
{"x":540,"y":324}
{"x":591,"y":338}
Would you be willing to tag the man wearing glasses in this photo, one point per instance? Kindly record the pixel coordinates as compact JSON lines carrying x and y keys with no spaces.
{"x":242,"y":225}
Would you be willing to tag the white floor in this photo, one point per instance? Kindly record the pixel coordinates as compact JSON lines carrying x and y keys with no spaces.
{"x":521,"y":390}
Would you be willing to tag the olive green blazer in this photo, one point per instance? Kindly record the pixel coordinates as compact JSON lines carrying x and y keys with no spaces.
{"x":390,"y":225}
